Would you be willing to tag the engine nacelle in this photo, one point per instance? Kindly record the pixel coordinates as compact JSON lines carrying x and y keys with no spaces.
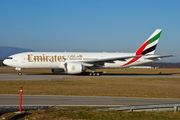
{"x":57,"y":70}
{"x":73,"y":68}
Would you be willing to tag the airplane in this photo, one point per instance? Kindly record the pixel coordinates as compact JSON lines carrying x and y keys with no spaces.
{"x":78,"y":62}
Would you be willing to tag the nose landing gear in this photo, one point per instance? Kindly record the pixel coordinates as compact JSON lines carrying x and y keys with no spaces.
{"x":19,"y":71}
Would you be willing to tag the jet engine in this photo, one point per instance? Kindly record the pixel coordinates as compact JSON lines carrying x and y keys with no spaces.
{"x":73,"y":68}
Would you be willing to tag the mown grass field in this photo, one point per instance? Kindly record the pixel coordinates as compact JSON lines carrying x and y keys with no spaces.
{"x":98,"y":86}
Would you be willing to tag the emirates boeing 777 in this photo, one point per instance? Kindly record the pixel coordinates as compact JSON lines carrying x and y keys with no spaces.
{"x":78,"y":62}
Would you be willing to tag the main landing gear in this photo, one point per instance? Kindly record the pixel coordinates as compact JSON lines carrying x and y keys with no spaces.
{"x":94,"y":74}
{"x":19,"y":71}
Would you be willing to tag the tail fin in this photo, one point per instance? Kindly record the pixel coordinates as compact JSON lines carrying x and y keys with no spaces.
{"x":149,"y":46}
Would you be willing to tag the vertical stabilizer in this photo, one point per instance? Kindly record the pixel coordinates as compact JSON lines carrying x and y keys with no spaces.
{"x":149,"y":46}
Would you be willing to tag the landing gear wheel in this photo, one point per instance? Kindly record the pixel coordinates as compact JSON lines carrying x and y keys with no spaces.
{"x":94,"y":74}
{"x":19,"y":73}
{"x":97,"y":74}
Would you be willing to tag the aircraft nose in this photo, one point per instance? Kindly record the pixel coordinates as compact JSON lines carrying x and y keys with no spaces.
{"x":6,"y":62}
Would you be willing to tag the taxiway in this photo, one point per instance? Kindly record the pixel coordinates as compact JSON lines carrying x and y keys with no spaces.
{"x":58,"y":100}
{"x":26,"y":77}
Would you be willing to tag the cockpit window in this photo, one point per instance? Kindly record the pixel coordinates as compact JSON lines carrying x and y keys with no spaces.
{"x":10,"y":58}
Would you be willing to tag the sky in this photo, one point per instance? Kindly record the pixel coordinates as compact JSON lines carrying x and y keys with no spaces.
{"x":90,"y":25}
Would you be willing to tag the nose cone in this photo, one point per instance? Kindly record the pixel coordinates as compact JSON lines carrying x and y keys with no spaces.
{"x":6,"y":62}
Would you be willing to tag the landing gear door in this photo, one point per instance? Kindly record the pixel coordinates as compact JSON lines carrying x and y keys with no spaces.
{"x":23,"y":58}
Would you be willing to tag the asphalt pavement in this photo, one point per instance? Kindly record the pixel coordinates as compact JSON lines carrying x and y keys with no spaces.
{"x":58,"y":100}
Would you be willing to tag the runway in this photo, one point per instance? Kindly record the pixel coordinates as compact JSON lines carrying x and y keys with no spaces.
{"x":58,"y":100}
{"x":26,"y":77}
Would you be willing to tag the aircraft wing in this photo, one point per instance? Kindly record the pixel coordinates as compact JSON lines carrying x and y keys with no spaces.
{"x":107,"y":60}
{"x":158,"y":56}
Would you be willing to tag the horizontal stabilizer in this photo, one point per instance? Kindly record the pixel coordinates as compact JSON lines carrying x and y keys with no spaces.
{"x":153,"y":57}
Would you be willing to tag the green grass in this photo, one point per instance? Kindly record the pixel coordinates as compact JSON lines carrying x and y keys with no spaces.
{"x":87,"y":113}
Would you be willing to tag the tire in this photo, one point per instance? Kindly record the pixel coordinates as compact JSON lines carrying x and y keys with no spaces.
{"x":19,"y":73}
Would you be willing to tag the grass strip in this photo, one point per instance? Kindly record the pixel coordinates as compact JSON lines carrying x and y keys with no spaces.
{"x":86,"y":113}
{"x":98,"y":86}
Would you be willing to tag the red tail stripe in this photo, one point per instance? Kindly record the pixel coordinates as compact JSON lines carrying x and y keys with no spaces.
{"x":133,"y":60}
{"x":141,"y":49}
{"x":138,"y":52}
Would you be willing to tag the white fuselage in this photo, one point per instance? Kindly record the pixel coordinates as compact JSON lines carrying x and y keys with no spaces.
{"x":55,"y":60}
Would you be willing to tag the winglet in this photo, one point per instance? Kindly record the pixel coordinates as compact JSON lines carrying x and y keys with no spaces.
{"x":149,"y":46}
